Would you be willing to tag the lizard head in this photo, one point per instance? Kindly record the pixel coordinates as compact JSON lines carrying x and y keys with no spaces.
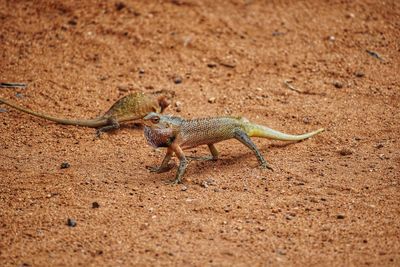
{"x":153,"y":120}
{"x":159,"y":129}
{"x":158,"y":121}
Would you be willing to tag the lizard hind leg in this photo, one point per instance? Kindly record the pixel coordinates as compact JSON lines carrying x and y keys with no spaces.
{"x":214,"y":151}
{"x":245,"y":139}
{"x":112,"y":124}
{"x":183,"y":163}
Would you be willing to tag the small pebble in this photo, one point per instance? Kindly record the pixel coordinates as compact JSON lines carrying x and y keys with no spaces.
{"x":359,"y":74}
{"x":379,"y":145}
{"x":123,"y":87}
{"x":228,"y":64}
{"x":340,"y":216}
{"x":227,"y":209}
{"x":72,"y":22}
{"x":2,"y":110}
{"x":184,"y":188}
{"x":141,"y":71}
{"x":119,"y":6}
{"x":281,"y":252}
{"x":345,"y":152}
{"x":331,"y":38}
{"x":71,"y":222}
{"x":212,"y":100}
{"x":19,"y":95}
{"x":337,"y":84}
{"x":95,"y":205}
{"x":212,"y":65}
{"x":177,"y":79}
{"x":187,"y":40}
{"x":261,"y":229}
{"x":211,"y":181}
{"x":65,"y":165}
{"x":277,"y":33}
{"x":204,"y":184}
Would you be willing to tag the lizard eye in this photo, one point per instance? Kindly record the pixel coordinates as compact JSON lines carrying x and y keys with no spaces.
{"x":155,"y":119}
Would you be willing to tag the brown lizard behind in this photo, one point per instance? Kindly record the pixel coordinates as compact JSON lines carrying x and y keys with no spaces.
{"x":128,"y":108}
{"x":177,"y":134}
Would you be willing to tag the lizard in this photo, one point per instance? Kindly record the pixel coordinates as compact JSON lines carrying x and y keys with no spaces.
{"x":128,"y":108}
{"x":177,"y":134}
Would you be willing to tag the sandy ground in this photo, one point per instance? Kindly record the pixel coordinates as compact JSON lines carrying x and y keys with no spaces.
{"x":332,"y":200}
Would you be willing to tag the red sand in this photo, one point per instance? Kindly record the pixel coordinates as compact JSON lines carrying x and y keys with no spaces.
{"x":332,"y":200}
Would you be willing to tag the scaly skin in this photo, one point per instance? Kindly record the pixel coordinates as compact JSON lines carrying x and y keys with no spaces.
{"x":129,"y":108}
{"x":178,"y":134}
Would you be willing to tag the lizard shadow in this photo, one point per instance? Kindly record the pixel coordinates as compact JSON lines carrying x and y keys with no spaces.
{"x":136,"y":126}
{"x":199,"y":166}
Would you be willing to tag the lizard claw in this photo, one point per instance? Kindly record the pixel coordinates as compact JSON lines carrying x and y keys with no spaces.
{"x":99,"y":132}
{"x":173,"y":182}
{"x":265,"y":165}
{"x":152,"y":168}
{"x":161,"y":169}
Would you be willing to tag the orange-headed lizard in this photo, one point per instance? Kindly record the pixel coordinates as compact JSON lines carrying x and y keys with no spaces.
{"x":178,"y":134}
{"x":128,"y":108}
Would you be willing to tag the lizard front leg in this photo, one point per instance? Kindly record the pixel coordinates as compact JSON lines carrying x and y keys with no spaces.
{"x":183,"y":162}
{"x":113,"y":124}
{"x":245,"y":139}
{"x":165,"y":165}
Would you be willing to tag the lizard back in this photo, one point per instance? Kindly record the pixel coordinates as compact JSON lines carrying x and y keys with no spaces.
{"x":207,"y":130}
{"x":133,"y":106}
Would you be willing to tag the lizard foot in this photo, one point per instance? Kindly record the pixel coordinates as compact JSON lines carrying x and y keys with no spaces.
{"x":265,"y":165}
{"x":161,"y":169}
{"x":99,"y":132}
{"x":173,"y":182}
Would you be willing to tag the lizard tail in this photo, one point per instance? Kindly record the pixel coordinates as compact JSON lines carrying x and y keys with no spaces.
{"x":88,"y":123}
{"x":265,"y":132}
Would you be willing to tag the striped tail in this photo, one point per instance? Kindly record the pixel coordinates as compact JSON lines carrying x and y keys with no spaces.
{"x":265,"y":132}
